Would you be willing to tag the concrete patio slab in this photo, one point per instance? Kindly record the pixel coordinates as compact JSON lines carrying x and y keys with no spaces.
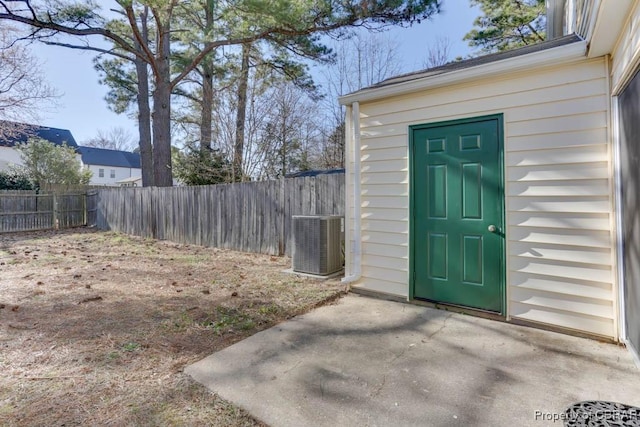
{"x":369,"y":362}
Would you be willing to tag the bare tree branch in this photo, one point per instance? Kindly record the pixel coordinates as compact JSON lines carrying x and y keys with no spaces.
{"x":39,"y":24}
{"x":112,"y":52}
{"x":116,"y":138}
{"x":24,"y":93}
{"x":438,"y":53}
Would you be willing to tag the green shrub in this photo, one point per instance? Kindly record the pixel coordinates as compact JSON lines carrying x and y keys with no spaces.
{"x":13,"y":180}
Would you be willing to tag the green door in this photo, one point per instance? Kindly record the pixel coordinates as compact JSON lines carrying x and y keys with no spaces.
{"x":457,"y":213}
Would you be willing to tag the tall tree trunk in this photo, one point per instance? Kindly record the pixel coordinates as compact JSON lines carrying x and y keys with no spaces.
{"x":238,"y":149}
{"x":207,"y":105}
{"x":161,"y":126}
{"x":284,"y":143}
{"x":207,"y":84}
{"x":144,"y":111}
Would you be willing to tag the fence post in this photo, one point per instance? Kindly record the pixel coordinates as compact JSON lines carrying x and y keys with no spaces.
{"x":55,"y":211}
{"x":84,"y":209}
{"x":281,"y":242}
{"x":154,"y":210}
{"x":313,"y":194}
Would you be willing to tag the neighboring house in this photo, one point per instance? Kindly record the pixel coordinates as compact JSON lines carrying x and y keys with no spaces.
{"x":134,"y":181}
{"x":10,"y":156}
{"x":109,"y":167}
{"x":508,"y":185}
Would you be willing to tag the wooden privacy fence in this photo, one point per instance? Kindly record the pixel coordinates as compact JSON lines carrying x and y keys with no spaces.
{"x":28,"y":211}
{"x":250,"y":217}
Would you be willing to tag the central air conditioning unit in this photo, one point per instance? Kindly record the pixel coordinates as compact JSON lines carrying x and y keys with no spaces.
{"x":317,"y":244}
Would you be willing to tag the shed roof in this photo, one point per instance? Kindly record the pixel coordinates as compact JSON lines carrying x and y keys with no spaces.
{"x":485,"y":59}
{"x":314,"y":173}
{"x":549,"y":52}
{"x":129,"y":179}
{"x":21,"y":132}
{"x":106,"y":157}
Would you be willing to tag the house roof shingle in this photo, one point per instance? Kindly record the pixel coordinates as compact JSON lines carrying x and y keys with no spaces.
{"x":22,"y":132}
{"x":106,"y":157}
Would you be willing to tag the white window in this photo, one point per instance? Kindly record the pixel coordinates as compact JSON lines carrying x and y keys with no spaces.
{"x":101,"y":173}
{"x":113,"y":173}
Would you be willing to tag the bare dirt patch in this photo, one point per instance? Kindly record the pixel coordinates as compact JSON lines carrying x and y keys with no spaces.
{"x":95,"y":328}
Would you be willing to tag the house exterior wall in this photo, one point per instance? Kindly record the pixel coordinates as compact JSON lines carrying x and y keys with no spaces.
{"x":626,"y":53}
{"x":120,"y":173}
{"x":625,"y":64}
{"x":9,"y":156}
{"x":559,"y":209}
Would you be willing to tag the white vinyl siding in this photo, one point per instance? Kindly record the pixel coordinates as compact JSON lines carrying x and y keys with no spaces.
{"x":9,"y":157}
{"x":626,"y":54}
{"x":109,"y":175}
{"x":557,"y":186}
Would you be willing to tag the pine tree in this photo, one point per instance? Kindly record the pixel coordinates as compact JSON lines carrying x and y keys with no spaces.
{"x":269,"y":20}
{"x":507,"y":24}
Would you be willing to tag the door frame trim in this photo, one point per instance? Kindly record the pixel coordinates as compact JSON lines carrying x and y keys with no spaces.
{"x":412,"y":128}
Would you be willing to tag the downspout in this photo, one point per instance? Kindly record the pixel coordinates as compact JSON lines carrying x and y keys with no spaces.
{"x":619,"y":232}
{"x":355,"y":266}
{"x":619,"y":236}
{"x":617,"y":196}
{"x":613,"y":122}
{"x":555,"y":19}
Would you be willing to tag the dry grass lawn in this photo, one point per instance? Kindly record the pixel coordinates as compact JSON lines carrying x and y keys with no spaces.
{"x":95,"y":328}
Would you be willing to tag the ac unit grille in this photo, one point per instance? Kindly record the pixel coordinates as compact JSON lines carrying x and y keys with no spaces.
{"x":317,"y":244}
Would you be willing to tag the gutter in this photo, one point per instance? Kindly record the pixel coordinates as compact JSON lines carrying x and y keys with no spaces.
{"x":549,"y":57}
{"x":356,"y":268}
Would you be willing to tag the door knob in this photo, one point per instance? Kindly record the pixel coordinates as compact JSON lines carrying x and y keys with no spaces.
{"x":492,"y":228}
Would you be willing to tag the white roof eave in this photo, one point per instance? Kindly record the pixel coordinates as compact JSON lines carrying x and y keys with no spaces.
{"x":611,"y":14}
{"x":553,"y":56}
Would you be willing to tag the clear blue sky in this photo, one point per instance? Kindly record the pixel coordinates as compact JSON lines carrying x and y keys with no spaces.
{"x":83,"y":110}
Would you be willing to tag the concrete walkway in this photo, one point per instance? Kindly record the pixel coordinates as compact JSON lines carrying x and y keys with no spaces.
{"x":368,"y":362}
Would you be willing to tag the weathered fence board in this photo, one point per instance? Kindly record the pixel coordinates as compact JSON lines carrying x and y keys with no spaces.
{"x":250,"y":217}
{"x":70,"y":210}
{"x":28,"y":211}
{"x":91,"y":207}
